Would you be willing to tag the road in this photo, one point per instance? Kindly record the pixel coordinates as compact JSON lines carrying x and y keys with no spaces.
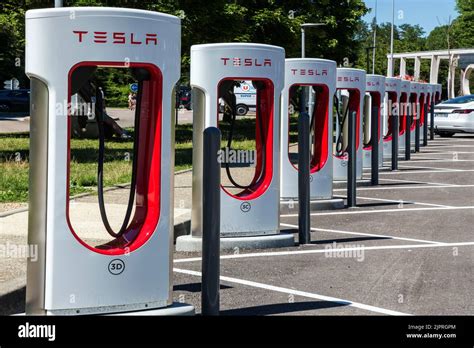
{"x":21,"y":123}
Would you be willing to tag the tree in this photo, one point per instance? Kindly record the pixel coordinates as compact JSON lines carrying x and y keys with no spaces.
{"x":463,"y":28}
{"x":407,"y":38}
{"x":12,"y":41}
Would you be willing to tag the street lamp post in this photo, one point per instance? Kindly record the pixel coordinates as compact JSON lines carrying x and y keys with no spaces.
{"x":303,"y":27}
{"x":391,"y":67}
{"x":303,"y":55}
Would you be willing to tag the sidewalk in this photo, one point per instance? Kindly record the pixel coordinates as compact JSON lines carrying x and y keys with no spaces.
{"x":14,"y":230}
{"x":16,"y":224}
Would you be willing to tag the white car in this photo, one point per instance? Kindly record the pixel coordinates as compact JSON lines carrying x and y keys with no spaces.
{"x":455,"y":116}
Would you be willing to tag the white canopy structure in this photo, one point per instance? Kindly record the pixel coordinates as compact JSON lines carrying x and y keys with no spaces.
{"x":462,"y":58}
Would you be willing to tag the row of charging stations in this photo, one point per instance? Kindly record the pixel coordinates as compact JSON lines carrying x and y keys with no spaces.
{"x":131,"y":270}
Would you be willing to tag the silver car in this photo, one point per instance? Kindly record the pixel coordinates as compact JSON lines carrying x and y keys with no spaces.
{"x":455,"y":116}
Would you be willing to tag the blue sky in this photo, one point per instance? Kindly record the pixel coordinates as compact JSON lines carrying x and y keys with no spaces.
{"x":421,"y":12}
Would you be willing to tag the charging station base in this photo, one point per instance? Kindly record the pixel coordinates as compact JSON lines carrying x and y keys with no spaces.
{"x":175,"y":309}
{"x":290,"y":206}
{"x":340,"y":184}
{"x":189,"y":243}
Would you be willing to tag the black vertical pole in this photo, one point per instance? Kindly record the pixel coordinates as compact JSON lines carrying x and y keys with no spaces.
{"x":394,"y":118}
{"x":176,"y":104}
{"x":211,"y":222}
{"x":425,"y":124}
{"x":407,"y":133}
{"x":417,"y":127}
{"x":374,"y":139}
{"x":432,"y":119}
{"x":302,"y":100}
{"x":352,"y":165}
{"x":304,"y":223}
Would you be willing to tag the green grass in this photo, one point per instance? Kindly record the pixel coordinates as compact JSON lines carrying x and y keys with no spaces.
{"x":14,"y":155}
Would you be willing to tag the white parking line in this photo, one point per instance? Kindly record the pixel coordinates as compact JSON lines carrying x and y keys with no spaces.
{"x":445,"y":152}
{"x":405,"y":187}
{"x":452,"y":140}
{"x":296,"y":293}
{"x":400,"y":201}
{"x":446,"y":170}
{"x":399,"y":210}
{"x":418,"y":182}
{"x":423,"y":159}
{"x":438,"y":168}
{"x":366,"y":234}
{"x":329,"y":250}
{"x":444,"y":146}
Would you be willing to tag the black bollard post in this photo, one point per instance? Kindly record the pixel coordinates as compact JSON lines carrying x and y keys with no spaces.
{"x":304,"y":223}
{"x":408,"y":136}
{"x":395,"y":131}
{"x":211,"y":222}
{"x":352,"y":165}
{"x":417,"y":129}
{"x":432,"y":120}
{"x":374,"y":137}
{"x":425,"y":124}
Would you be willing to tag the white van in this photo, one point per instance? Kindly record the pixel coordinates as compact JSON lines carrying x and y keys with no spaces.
{"x":246,"y":98}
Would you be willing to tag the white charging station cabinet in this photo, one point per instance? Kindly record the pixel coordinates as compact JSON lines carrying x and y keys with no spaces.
{"x":423,"y":97}
{"x":391,"y":114}
{"x":351,"y":84}
{"x":438,"y":93}
{"x":414,"y":103}
{"x":133,"y":273}
{"x":404,"y":111}
{"x":374,"y":95}
{"x":216,"y":70}
{"x":320,"y":76}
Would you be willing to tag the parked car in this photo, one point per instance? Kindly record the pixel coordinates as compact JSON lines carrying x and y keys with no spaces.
{"x":14,"y":100}
{"x":183,"y":97}
{"x":455,"y":116}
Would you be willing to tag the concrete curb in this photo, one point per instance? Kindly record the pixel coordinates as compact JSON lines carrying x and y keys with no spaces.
{"x":343,"y":184}
{"x":288,"y":206}
{"x":189,"y":243}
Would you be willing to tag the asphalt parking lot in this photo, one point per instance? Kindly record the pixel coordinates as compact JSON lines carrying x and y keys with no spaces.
{"x":407,"y":248}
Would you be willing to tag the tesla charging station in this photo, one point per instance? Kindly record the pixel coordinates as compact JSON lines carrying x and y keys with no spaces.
{"x":404,"y":112}
{"x":428,"y":101}
{"x":350,"y":91}
{"x":130,"y":272}
{"x":374,"y":98}
{"x":250,"y":190}
{"x":414,"y":110}
{"x":422,"y":100}
{"x":318,"y":77}
{"x":391,"y":113}
{"x":438,"y":92}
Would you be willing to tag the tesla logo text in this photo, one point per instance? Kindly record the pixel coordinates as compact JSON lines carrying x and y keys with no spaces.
{"x":390,"y":84}
{"x":246,"y":62}
{"x":348,"y":79}
{"x":372,"y":84}
{"x":116,"y":38}
{"x":310,"y":72}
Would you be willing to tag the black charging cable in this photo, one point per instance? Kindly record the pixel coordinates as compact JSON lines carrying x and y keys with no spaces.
{"x":100,"y":167}
{"x":230,"y":99}
{"x":341,"y":120}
